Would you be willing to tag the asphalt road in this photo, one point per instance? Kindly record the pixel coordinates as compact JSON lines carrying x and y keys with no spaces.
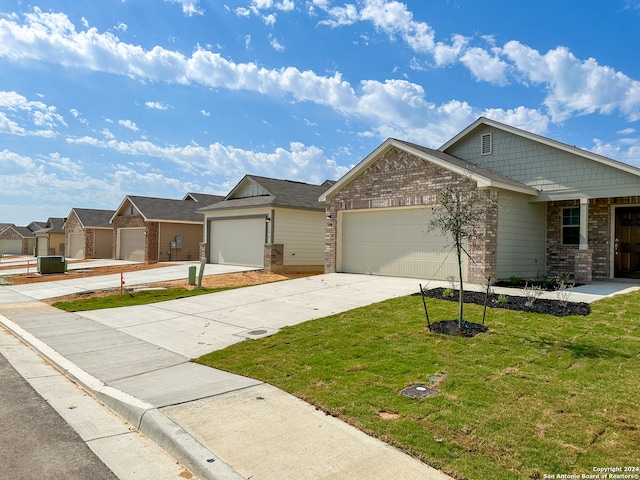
{"x":36,"y":443}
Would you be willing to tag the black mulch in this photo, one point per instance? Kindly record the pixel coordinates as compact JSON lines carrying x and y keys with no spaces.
{"x":451,"y":327}
{"x":557,"y":308}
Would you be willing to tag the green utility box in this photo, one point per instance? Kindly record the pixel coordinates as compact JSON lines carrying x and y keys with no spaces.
{"x":192,"y":275}
{"x":52,"y":264}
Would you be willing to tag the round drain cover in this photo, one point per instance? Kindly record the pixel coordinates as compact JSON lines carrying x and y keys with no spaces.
{"x":257,"y":332}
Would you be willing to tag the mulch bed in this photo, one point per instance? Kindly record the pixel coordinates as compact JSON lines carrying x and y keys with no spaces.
{"x":557,"y":308}
{"x":451,"y":327}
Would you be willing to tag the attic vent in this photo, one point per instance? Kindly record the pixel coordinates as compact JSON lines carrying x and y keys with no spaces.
{"x":486,"y":144}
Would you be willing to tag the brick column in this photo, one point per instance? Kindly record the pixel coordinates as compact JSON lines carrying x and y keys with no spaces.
{"x":274,"y":257}
{"x":583,"y":266}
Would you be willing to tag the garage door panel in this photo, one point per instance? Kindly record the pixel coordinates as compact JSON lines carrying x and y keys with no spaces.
{"x":396,"y":243}
{"x":11,"y":247}
{"x":76,"y":246}
{"x":132,"y":242}
{"x":238,"y":242}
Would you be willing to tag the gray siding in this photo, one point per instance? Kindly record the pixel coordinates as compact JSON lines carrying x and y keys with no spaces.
{"x":545,"y":168}
{"x":521,"y":236}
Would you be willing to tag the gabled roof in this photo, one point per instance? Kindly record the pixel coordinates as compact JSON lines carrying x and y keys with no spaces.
{"x":35,"y":226}
{"x":482,"y":176}
{"x":161,"y":209}
{"x":276,"y":193}
{"x":53,"y":225}
{"x":24,"y":232}
{"x":543,"y":140}
{"x":93,"y":218}
{"x":6,"y":225}
{"x":203,"y":198}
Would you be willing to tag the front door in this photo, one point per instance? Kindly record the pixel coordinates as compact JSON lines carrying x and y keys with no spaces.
{"x":627,"y":243}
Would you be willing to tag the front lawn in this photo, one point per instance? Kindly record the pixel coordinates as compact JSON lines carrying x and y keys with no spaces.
{"x":128,"y":299}
{"x":535,"y":395}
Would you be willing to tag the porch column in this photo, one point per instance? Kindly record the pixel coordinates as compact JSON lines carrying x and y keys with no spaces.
{"x":584,"y":224}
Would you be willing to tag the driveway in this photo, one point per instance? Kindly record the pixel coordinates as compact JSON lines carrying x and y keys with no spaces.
{"x":136,"y":360}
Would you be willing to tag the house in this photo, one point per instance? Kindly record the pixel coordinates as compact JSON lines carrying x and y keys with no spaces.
{"x":151,"y":230}
{"x":277,"y":225}
{"x":89,"y":233}
{"x":19,"y":240}
{"x":50,"y":238}
{"x":556,"y":209}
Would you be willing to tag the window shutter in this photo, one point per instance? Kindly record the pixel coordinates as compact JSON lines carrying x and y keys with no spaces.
{"x":486,"y":144}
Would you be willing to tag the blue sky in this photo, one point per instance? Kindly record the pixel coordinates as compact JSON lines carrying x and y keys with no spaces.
{"x":108,"y":98}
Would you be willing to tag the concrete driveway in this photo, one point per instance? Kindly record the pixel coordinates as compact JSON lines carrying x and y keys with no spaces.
{"x":136,"y":360}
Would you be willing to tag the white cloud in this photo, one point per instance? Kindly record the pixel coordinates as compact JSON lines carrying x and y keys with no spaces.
{"x":43,"y":117}
{"x":128,"y":124}
{"x":576,"y":86}
{"x":204,"y":113}
{"x":189,"y":7}
{"x":157,"y":105}
{"x":299,"y":162}
{"x":484,"y":66}
{"x":276,"y":45}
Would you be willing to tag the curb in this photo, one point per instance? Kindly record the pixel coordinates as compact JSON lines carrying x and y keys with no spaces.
{"x":142,"y":415}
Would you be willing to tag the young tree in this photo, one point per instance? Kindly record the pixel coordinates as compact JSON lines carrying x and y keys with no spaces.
{"x":461,"y":213}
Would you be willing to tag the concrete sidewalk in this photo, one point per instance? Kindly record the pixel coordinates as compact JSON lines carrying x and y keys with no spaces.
{"x":136,"y":360}
{"x":219,"y":425}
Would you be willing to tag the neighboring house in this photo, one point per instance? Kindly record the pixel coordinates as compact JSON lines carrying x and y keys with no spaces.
{"x":151,"y":230}
{"x":267,"y":223}
{"x":557,"y":209}
{"x":19,"y":240}
{"x":50,"y":238}
{"x":89,"y":233}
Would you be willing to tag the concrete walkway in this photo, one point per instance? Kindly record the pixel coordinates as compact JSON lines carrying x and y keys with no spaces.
{"x":220,"y":425}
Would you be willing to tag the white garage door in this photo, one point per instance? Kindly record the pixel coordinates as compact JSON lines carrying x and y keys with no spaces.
{"x":42,"y":246}
{"x":76,"y":246}
{"x":11,"y":247}
{"x":398,"y":243}
{"x":132,"y":244}
{"x":238,"y":241}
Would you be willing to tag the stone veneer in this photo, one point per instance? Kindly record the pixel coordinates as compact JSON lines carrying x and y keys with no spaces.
{"x":400,"y":179}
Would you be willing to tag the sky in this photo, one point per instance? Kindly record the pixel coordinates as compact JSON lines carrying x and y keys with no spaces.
{"x":108,"y":98}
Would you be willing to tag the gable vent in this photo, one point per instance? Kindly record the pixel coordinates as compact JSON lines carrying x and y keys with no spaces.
{"x":485,"y":148}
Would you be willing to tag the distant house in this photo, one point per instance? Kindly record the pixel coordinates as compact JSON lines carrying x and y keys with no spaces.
{"x":50,"y":238}
{"x":151,"y":230}
{"x":89,"y":233}
{"x":557,"y":209}
{"x":267,"y":223}
{"x":19,"y":240}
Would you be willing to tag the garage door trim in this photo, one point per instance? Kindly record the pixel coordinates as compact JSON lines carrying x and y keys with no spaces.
{"x":411,"y":261}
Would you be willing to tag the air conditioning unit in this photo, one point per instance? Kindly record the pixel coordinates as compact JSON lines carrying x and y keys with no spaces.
{"x":52,"y":264}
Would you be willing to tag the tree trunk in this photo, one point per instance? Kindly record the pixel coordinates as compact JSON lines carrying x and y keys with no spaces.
{"x":461,"y":289}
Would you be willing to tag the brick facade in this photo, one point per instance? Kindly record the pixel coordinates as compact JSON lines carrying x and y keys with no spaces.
{"x":400,"y":179}
{"x":561,"y":259}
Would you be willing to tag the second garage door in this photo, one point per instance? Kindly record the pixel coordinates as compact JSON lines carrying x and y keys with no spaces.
{"x":238,"y":241}
{"x":396,"y":242}
{"x":76,"y":246}
{"x":132,"y":244}
{"x":13,"y":247}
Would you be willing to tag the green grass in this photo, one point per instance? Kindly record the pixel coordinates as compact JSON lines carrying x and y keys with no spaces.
{"x":128,"y":299}
{"x":536,"y":394}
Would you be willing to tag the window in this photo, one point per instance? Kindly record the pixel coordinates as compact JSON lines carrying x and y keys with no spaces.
{"x":485,"y":144}
{"x":571,"y":226}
